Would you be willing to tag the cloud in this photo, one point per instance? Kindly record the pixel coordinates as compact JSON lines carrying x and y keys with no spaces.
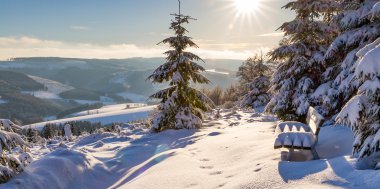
{"x":229,"y":46}
{"x":12,"y":47}
{"x":80,"y":28}
{"x":229,"y":54}
{"x":277,"y":34}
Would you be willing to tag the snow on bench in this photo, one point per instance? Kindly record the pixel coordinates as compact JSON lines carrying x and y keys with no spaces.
{"x":296,"y":135}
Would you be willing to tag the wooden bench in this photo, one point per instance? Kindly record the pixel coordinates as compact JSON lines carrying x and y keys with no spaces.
{"x":296,"y":135}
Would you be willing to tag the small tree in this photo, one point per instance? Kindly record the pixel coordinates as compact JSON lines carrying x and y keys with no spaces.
{"x":257,"y":88}
{"x":32,"y":135}
{"x":215,"y":94}
{"x":232,"y":93}
{"x":181,"y":106}
{"x":252,"y":68}
{"x":49,"y":131}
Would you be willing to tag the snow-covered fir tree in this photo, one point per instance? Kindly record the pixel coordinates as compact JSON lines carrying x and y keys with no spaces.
{"x":356,"y":31}
{"x":362,"y":112}
{"x":258,"y":86}
{"x":182,"y":106}
{"x":301,"y":55}
{"x":13,"y":155}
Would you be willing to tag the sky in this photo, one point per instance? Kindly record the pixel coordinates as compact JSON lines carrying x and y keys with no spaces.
{"x":106,"y":29}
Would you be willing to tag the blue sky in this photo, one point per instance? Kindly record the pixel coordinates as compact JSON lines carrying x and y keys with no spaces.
{"x":129,"y":28}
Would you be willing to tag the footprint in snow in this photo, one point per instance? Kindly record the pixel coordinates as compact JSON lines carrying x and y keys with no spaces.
{"x":258,"y":167}
{"x":221,"y":185}
{"x":205,"y":159}
{"x":216,"y":173}
{"x":257,"y":170}
{"x":229,"y":176}
{"x":206,"y":167}
{"x":192,"y":185}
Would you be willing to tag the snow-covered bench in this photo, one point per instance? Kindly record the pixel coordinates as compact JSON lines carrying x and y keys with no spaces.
{"x":296,"y":135}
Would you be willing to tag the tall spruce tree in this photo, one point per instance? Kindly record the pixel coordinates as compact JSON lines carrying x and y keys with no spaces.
{"x":301,"y":54}
{"x":182,"y":106}
{"x":356,"y":31}
{"x":362,"y":112}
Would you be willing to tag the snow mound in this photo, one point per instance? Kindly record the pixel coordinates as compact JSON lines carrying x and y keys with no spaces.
{"x":60,"y":169}
{"x":92,"y":138}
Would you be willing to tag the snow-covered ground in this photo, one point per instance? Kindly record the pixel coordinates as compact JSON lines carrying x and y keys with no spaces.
{"x":121,"y":116}
{"x":109,"y":108}
{"x":234,"y":152}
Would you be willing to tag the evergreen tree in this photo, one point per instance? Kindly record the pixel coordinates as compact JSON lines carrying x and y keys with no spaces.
{"x":181,"y":106}
{"x":32,"y":135}
{"x":50,"y":130}
{"x":258,"y":86}
{"x":362,"y":112}
{"x":301,"y":54}
{"x":356,"y":31}
{"x":12,"y":153}
{"x":252,"y":68}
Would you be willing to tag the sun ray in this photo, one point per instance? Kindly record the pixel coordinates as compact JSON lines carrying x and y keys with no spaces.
{"x":246,"y":6}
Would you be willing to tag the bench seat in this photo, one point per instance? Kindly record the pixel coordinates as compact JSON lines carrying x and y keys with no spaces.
{"x":295,"y":140}
{"x":296,"y":135}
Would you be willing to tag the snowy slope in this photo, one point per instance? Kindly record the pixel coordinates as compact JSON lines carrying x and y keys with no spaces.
{"x":236,"y":152}
{"x":54,"y":88}
{"x":122,"y":116}
{"x":109,"y":108}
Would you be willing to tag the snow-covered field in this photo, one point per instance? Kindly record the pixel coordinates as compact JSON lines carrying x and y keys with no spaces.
{"x":54,"y":88}
{"x":121,"y":116}
{"x":109,"y":108}
{"x":233,"y":152}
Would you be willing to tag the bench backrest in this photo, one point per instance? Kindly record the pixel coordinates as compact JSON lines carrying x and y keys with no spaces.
{"x":314,"y":120}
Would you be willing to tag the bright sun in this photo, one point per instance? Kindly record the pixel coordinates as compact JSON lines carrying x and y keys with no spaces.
{"x":247,"y":6}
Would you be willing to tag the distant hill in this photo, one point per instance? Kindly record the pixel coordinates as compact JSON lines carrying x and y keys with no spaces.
{"x":17,"y":105}
{"x":19,"y":81}
{"x":34,"y":88}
